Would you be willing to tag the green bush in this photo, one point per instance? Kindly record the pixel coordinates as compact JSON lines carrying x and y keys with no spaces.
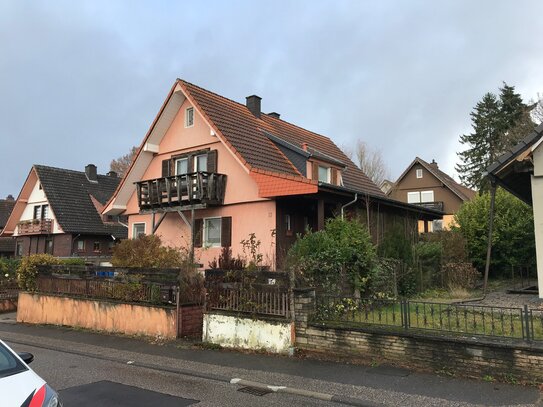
{"x":28,"y":269}
{"x":513,"y":240}
{"x":73,"y":261}
{"x":8,"y":269}
{"x":338,"y":258}
{"x":147,"y":251}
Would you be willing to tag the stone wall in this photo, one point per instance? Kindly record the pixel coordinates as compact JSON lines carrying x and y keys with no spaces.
{"x":463,"y":356}
{"x":130,"y":319}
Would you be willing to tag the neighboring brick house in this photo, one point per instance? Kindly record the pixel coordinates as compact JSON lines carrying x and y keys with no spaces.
{"x":7,"y":244}
{"x":58,"y":211}
{"x":426,"y":185}
{"x":211,"y":171}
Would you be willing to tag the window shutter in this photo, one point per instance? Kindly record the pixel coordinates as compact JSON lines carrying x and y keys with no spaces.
{"x":191,"y":164}
{"x":226,"y":231}
{"x":315,"y":174}
{"x":166,"y":168}
{"x":334,"y":177}
{"x":212,"y":161}
{"x":198,"y":232}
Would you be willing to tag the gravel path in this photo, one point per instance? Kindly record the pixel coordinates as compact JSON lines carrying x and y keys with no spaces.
{"x":501,"y":298}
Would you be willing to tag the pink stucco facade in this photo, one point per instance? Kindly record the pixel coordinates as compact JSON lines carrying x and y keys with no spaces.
{"x":250,"y":213}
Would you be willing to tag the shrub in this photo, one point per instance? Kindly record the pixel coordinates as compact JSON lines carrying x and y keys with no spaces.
{"x":8,"y":269}
{"x":227,"y":262}
{"x":28,"y":269}
{"x":73,"y":261}
{"x":147,"y":251}
{"x":459,"y":275}
{"x":340,"y":257}
{"x":513,"y":240}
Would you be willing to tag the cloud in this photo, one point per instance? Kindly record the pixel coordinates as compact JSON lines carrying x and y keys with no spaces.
{"x":82,"y":81}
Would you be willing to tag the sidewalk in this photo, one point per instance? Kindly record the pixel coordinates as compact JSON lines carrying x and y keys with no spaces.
{"x":379,"y":384}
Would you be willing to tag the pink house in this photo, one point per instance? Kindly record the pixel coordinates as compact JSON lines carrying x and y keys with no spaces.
{"x":212,"y":171}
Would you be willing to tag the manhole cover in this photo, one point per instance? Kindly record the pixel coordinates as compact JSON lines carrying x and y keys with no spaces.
{"x":255,"y":391}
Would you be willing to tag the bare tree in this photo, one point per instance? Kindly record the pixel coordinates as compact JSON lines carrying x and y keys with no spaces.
{"x":537,"y":111}
{"x":121,"y":164}
{"x":369,"y":160}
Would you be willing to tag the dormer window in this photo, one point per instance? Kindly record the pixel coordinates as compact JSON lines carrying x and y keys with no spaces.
{"x":419,"y":172}
{"x":189,"y":117}
{"x":325,"y":174}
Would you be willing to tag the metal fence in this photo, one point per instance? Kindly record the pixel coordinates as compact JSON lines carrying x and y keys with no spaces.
{"x":252,"y":293}
{"x":159,"y":287}
{"x":9,"y":290}
{"x":519,"y":323}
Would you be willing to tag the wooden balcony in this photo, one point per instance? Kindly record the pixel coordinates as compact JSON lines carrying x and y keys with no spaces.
{"x":35,"y":227}
{"x":437,"y":206}
{"x":197,"y":189}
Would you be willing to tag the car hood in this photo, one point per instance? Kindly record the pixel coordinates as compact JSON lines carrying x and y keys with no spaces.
{"x":15,"y":389}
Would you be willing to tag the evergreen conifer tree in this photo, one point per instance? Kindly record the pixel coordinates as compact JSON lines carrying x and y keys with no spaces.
{"x":498,"y":124}
{"x":484,"y":142}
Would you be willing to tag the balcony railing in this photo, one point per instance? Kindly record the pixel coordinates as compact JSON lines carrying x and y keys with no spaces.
{"x":35,"y":227}
{"x":197,"y":188}
{"x":438,"y":206}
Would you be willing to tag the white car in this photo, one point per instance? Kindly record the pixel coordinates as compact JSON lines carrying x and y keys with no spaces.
{"x":20,"y":386}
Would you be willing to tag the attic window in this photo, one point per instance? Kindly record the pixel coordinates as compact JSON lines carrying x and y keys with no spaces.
{"x":419,"y":172}
{"x":189,"y":117}
{"x":324,"y":174}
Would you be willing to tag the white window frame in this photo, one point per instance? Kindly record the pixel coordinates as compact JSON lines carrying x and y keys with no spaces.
{"x":426,"y":192}
{"x":205,"y":242}
{"x":80,"y":249}
{"x":189,"y":116}
{"x":328,"y":174}
{"x":413,"y":194}
{"x":419,"y":172}
{"x":182,"y":159}
{"x":134,"y":229}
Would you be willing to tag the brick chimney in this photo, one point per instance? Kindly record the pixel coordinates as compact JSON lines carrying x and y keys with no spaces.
{"x":434,"y":164}
{"x":253,"y":104}
{"x":91,"y":172}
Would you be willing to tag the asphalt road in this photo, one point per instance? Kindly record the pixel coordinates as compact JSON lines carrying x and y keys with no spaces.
{"x":106,"y":370}
{"x":85,"y":381}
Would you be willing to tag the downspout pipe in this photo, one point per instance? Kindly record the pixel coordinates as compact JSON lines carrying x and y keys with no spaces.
{"x":348,"y":204}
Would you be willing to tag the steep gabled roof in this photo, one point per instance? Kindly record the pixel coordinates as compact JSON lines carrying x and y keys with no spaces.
{"x":69,"y":195}
{"x":248,"y":136}
{"x":459,"y":190}
{"x":6,"y":206}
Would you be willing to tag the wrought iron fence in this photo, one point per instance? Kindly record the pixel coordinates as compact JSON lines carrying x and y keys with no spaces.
{"x":518,"y":323}
{"x":9,"y":290}
{"x":105,"y":288}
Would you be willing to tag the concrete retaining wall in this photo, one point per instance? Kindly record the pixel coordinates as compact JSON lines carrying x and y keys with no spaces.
{"x":128,"y":319}
{"x":248,"y":333}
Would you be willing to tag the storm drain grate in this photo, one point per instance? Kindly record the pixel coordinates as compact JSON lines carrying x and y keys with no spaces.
{"x":254,"y":391}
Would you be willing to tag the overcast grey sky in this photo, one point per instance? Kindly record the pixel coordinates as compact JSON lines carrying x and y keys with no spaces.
{"x":81,"y":81}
